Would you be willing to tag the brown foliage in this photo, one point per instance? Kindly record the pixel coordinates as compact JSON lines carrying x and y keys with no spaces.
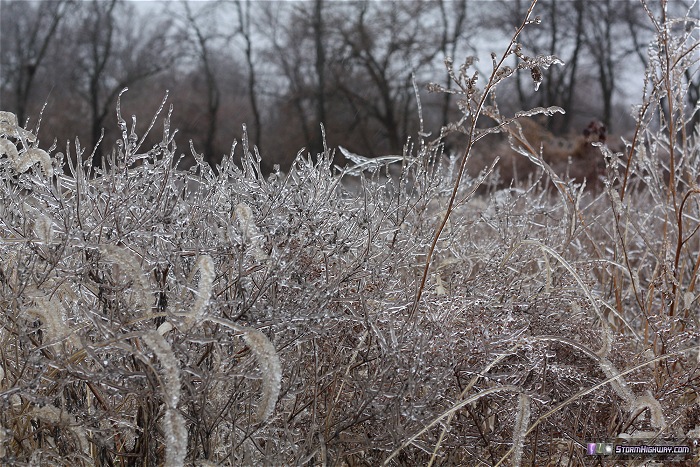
{"x":572,"y":157}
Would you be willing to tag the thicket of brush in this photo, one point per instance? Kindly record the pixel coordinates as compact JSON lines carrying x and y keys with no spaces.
{"x":215,"y":316}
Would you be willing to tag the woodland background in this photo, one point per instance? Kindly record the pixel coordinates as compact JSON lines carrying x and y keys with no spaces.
{"x":283,"y":67}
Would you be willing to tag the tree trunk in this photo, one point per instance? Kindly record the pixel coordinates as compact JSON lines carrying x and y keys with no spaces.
{"x":573,"y":64}
{"x":244,"y":30}
{"x":317,"y":145}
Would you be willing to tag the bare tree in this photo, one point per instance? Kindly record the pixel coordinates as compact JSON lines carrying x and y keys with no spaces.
{"x":320,"y":65}
{"x":288,"y":52}
{"x":605,"y":34}
{"x":301,"y":51}
{"x":28,"y":30}
{"x":245,"y":31}
{"x":568,"y":78}
{"x":639,"y":30}
{"x":454,"y":28}
{"x":112,"y":53}
{"x":350,"y":66}
{"x":199,"y":32}
{"x":593,"y":39}
{"x":560,"y":33}
{"x":383,"y":44}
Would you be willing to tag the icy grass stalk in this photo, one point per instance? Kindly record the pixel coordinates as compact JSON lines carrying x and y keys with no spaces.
{"x":173,"y":422}
{"x":9,"y":127}
{"x":474,"y":105}
{"x":592,"y":389}
{"x":450,"y":411}
{"x":607,"y":332}
{"x":31,"y":156}
{"x":129,"y":263}
{"x":21,"y":160}
{"x":176,"y":438}
{"x":464,"y":392}
{"x":269,"y":362}
{"x":246,"y":221}
{"x":171,"y":372}
{"x":614,"y":375}
{"x":522,"y":419}
{"x":250,"y":235}
{"x":658,"y":421}
{"x":53,"y":415}
{"x":55,"y":326}
{"x":43,"y":228}
{"x":205,"y":266}
{"x":270,"y":368}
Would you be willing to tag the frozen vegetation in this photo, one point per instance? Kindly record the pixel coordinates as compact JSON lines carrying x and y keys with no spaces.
{"x":153,"y":315}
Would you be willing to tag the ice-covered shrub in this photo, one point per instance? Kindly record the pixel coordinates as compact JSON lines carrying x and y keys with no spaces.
{"x":151,"y":314}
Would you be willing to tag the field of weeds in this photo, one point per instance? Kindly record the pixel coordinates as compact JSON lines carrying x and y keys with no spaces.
{"x":151,"y":315}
